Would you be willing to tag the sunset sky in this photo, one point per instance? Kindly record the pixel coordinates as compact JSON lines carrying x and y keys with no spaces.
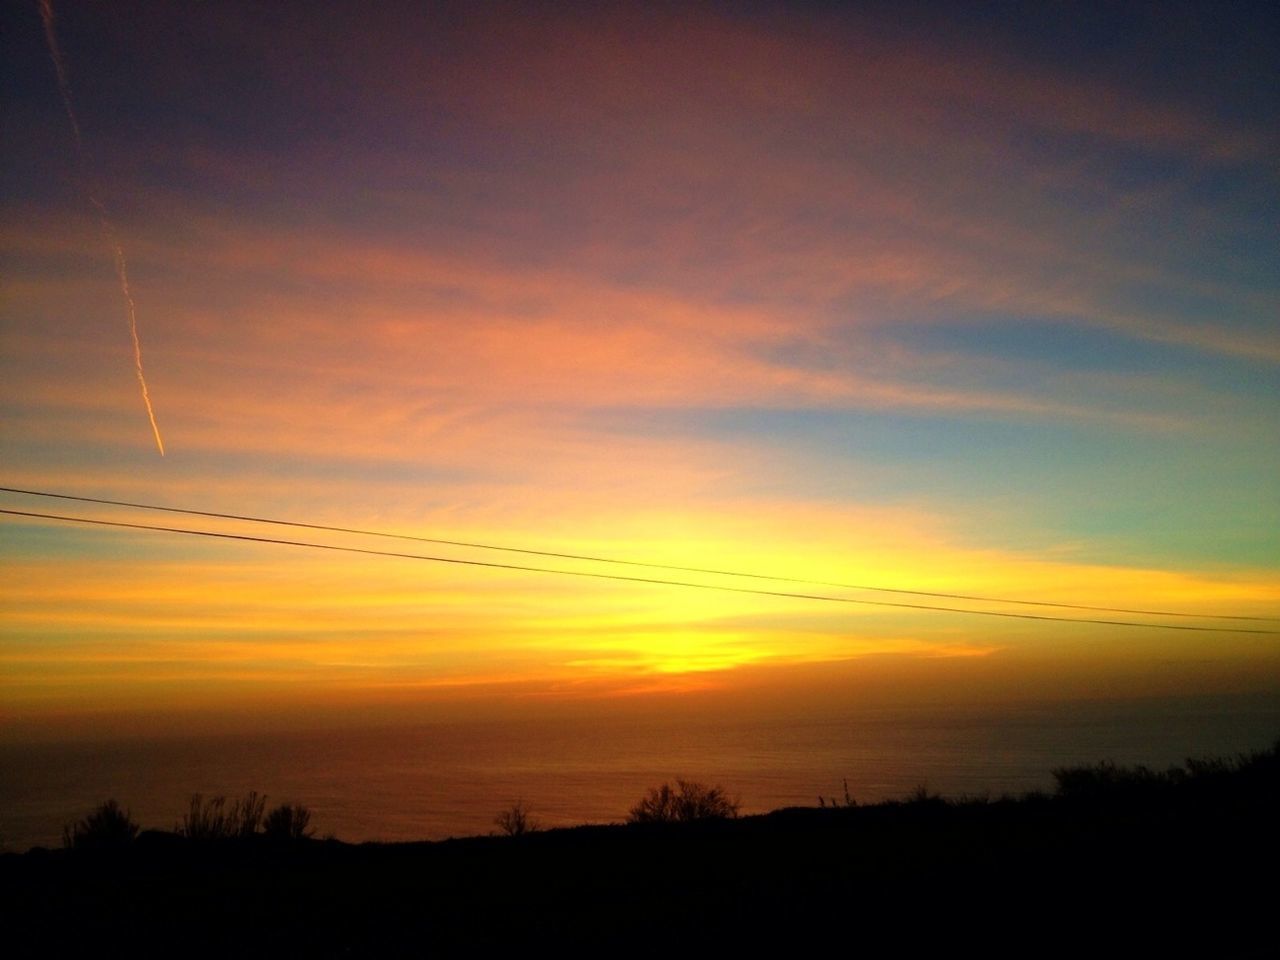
{"x":924,"y":296}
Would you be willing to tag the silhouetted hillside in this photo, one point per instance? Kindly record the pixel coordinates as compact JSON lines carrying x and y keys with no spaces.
{"x":1118,"y":862}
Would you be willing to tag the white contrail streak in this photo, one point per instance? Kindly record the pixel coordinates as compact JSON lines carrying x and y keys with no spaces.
{"x":64,"y":85}
{"x":108,"y":231}
{"x":122,"y":273}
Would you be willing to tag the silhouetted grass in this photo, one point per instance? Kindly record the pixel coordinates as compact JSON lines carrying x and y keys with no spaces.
{"x":835,"y":802}
{"x":214,"y":819}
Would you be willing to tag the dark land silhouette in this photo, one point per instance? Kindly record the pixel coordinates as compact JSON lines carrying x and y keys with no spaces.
{"x":1117,"y":862}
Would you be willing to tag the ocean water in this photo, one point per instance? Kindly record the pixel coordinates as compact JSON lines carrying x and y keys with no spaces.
{"x":432,"y":781}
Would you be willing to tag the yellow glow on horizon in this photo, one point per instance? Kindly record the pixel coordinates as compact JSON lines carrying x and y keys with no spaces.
{"x":218,"y":618}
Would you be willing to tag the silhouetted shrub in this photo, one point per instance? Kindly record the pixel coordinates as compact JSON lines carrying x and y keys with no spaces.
{"x":106,"y":828}
{"x":516,"y":820}
{"x":685,"y":801}
{"x":288,"y":822}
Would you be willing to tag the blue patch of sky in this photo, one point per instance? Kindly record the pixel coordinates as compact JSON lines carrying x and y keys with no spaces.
{"x":1029,"y":353}
{"x":1037,"y":357}
{"x":1065,"y":346}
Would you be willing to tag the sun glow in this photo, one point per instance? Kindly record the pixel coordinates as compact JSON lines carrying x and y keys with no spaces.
{"x":806,"y":302}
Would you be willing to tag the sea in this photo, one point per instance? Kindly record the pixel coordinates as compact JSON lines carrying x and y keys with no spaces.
{"x":431,"y":781}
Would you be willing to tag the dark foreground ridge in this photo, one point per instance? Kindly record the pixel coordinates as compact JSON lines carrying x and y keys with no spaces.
{"x":1119,"y":862}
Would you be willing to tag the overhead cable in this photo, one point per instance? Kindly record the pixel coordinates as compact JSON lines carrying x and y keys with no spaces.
{"x":526,"y":551}
{"x":724,"y":588}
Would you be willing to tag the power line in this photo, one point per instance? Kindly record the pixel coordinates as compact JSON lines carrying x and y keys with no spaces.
{"x":629,"y":579}
{"x":629,"y":563}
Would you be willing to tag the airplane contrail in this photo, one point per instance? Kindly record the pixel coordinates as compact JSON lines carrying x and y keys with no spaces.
{"x":122,"y":273}
{"x":104,"y":221}
{"x":64,"y":85}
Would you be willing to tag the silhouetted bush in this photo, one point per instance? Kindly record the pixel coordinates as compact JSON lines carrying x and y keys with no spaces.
{"x":288,"y":822}
{"x":106,"y":828}
{"x":516,"y":820}
{"x":685,"y":801}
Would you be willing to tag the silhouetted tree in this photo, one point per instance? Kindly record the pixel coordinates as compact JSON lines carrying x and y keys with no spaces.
{"x":516,"y":820}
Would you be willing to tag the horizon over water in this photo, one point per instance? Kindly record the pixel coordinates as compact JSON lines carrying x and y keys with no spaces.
{"x":432,"y":780}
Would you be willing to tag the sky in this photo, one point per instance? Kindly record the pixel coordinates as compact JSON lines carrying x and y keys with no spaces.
{"x":961,"y":299}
